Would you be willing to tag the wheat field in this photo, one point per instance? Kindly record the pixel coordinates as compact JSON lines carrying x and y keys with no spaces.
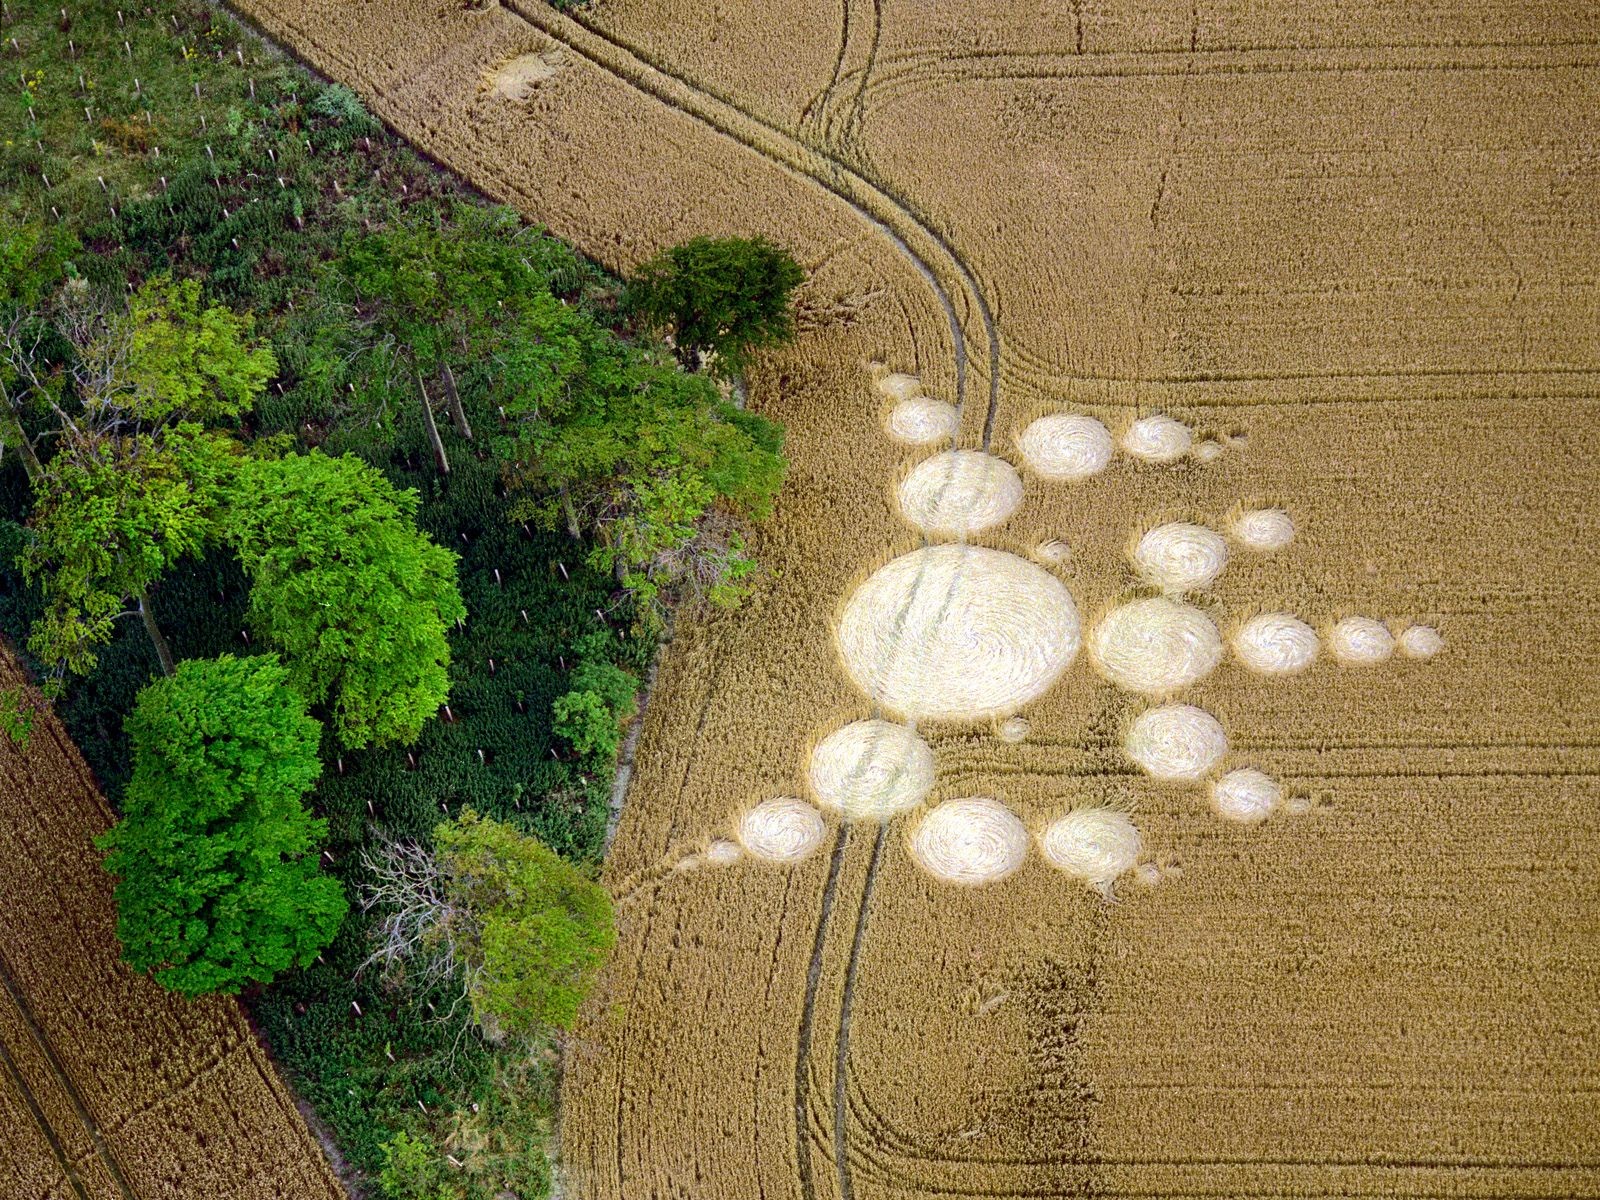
{"x":1257,"y":856}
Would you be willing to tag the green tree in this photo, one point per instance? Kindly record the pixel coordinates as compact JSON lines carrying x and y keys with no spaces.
{"x":216,"y":858}
{"x":521,"y":929}
{"x":111,"y":515}
{"x":343,"y":581}
{"x":601,"y":699}
{"x":724,"y":297}
{"x":135,"y":482}
{"x":33,"y":260}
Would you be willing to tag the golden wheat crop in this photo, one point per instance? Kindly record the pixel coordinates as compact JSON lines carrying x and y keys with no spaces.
{"x":1325,"y":278}
{"x":110,"y":1086}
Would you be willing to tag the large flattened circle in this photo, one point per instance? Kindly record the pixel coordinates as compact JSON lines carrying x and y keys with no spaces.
{"x":958,"y":633}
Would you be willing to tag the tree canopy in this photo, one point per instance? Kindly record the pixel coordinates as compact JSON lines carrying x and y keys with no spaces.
{"x":720,"y":296}
{"x":343,"y":581}
{"x":218,"y":885}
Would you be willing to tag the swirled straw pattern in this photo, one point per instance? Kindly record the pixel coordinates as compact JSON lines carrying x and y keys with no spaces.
{"x":1157,"y":439}
{"x":723,"y":853}
{"x":1180,"y":557}
{"x":1206,"y":452}
{"x":1421,"y":641}
{"x":1245,"y":795}
{"x":970,"y":841}
{"x":1053,"y":552}
{"x":1176,"y":741}
{"x":1016,"y":729}
{"x":1357,"y":641}
{"x":517,"y":79}
{"x":922,"y":421}
{"x":1065,"y":446}
{"x":871,"y":770}
{"x":782,"y":830}
{"x":1263,"y":529}
{"x":957,"y":632}
{"x":1092,"y":844}
{"x":900,"y":387}
{"x":1155,"y":646}
{"x":960,"y":492}
{"x":1275,"y":644}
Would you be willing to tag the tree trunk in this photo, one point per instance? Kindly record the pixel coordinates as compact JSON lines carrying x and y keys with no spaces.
{"x":163,"y":651}
{"x":439,"y":458}
{"x":457,"y":413}
{"x":30,"y":458}
{"x":572,"y":514}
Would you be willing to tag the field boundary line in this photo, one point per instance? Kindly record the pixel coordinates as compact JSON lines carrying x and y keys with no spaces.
{"x":74,"y":1097}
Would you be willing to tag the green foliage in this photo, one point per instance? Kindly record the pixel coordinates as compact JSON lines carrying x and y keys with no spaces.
{"x":111,"y":516}
{"x":186,"y":359}
{"x":412,"y":1170}
{"x":16,"y":716}
{"x":538,"y":928}
{"x":216,"y":854}
{"x":355,"y":595}
{"x":33,"y":259}
{"x":725,"y":297}
{"x":602,"y":699}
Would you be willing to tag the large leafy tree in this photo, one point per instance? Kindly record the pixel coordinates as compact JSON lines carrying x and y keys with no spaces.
{"x":343,"y":581}
{"x":111,"y":515}
{"x":723,"y":297}
{"x":521,"y":929}
{"x":216,"y":856}
{"x":32,"y":262}
{"x":135,"y":480}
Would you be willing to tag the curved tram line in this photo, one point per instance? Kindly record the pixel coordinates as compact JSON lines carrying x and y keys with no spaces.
{"x":633,"y":67}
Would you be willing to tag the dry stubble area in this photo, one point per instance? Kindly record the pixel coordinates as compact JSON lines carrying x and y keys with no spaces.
{"x":1353,"y":248}
{"x":110,"y":1087}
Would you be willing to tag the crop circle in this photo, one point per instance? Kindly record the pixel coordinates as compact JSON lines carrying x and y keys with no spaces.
{"x":782,"y":830}
{"x":1358,"y":641}
{"x":1247,"y":796}
{"x":1155,"y":646}
{"x":1421,"y":641}
{"x":1065,"y":446}
{"x":1176,"y":741}
{"x":1276,"y":644}
{"x":960,"y":492}
{"x":957,"y":632}
{"x":969,"y":841}
{"x":1180,"y":556}
{"x":871,"y":769}
{"x":1158,"y":439}
{"x":1263,"y":529}
{"x":1092,"y":844}
{"x":922,"y":421}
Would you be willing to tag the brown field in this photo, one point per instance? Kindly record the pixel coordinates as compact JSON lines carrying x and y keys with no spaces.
{"x":1354,"y":248}
{"x":110,"y":1087}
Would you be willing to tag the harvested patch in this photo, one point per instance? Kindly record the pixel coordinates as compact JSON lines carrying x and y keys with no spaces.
{"x":1263,"y":529}
{"x":1421,"y":641}
{"x":969,"y":841}
{"x":1156,"y":646}
{"x":1357,"y":641}
{"x":900,"y":387}
{"x":1180,"y":557}
{"x":1275,"y":644}
{"x":1158,"y":439}
{"x":1065,"y":446}
{"x":517,"y":79}
{"x":1014,"y":730}
{"x":957,"y":632}
{"x":1095,"y":845}
{"x":960,"y":492}
{"x":1176,"y":741}
{"x":923,"y":421}
{"x":782,"y":830}
{"x":1247,"y":796}
{"x":872,"y":770}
